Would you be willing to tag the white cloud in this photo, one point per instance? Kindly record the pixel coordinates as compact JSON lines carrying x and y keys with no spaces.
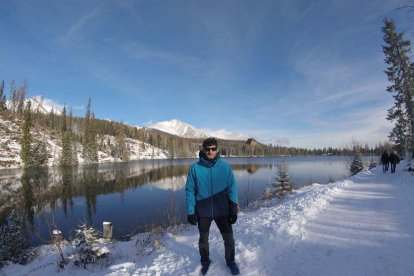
{"x":360,"y":92}
{"x":282,"y":141}
{"x":148,"y":123}
{"x":368,"y":126}
{"x":77,"y":27}
{"x":46,"y":104}
{"x":139,"y":51}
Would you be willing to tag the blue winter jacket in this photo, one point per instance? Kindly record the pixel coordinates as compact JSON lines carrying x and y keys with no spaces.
{"x":211,"y":190}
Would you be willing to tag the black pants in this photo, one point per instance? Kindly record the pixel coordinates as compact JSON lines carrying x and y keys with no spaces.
{"x":393,"y":164}
{"x":226,"y":231}
{"x":385,"y":167}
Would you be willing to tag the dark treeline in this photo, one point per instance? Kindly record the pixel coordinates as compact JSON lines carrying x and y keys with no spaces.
{"x":241,"y":148}
{"x":92,"y":133}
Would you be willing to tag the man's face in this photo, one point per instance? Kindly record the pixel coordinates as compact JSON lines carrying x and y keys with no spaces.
{"x":210,"y":152}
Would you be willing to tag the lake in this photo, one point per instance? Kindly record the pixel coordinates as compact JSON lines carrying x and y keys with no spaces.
{"x":137,"y":194}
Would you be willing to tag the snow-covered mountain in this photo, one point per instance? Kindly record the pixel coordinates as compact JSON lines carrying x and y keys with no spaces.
{"x":176,"y":127}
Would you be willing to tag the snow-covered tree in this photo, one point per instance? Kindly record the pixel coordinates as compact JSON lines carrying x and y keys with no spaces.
{"x":13,"y":245}
{"x":282,"y":182}
{"x":38,"y":155}
{"x":400,"y":74}
{"x":372,"y":164}
{"x":87,"y":248}
{"x":357,"y":164}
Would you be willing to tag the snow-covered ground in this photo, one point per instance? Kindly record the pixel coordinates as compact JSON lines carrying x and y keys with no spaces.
{"x":363,"y":225}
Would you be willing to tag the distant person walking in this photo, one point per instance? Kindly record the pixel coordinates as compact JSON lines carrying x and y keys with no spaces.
{"x":385,"y":159}
{"x":211,"y":194}
{"x":394,"y":159}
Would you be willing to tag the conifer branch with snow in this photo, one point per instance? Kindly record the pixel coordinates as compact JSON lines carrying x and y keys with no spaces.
{"x":282,"y":182}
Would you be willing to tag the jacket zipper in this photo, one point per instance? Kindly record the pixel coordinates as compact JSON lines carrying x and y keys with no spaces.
{"x":211,"y":193}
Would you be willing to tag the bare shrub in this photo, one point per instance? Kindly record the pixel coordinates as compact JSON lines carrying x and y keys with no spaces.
{"x":151,"y":240}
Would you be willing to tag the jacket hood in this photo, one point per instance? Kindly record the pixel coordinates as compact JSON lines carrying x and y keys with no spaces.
{"x":205,"y":162}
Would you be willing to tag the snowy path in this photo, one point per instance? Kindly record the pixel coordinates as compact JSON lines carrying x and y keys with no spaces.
{"x":368,"y":229}
{"x":361,"y":226}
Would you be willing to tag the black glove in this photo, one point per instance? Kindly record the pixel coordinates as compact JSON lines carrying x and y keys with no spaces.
{"x":192,"y":219}
{"x":232,"y":219}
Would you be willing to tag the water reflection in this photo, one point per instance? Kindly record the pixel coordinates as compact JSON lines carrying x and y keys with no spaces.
{"x":133,"y":194}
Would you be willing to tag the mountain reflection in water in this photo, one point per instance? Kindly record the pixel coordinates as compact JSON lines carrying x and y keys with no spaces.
{"x":135,"y":194}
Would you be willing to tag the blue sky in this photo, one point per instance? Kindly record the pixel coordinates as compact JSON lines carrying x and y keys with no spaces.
{"x":297,"y":73}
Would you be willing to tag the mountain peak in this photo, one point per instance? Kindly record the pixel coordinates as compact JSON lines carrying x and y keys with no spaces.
{"x":179,"y":128}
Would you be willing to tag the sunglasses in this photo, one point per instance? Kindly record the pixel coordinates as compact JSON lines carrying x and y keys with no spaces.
{"x":210,"y":149}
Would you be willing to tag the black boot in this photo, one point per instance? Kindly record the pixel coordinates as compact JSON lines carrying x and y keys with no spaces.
{"x":204,"y":267}
{"x":233,"y":268}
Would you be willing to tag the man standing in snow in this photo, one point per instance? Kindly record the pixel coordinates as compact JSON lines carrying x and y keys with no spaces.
{"x":385,"y":161}
{"x":211,"y":194}
{"x":393,"y":160}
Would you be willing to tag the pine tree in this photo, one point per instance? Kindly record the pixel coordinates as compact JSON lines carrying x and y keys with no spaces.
{"x":90,"y":144}
{"x":21,"y":96}
{"x":26,"y":137}
{"x":14,"y":246}
{"x":398,"y":134}
{"x":38,"y":155}
{"x":51,"y":119}
{"x":13,"y":97}
{"x":2,"y":97}
{"x":67,"y":156}
{"x":121,"y":149}
{"x":401,"y":75}
{"x":70,"y":119}
{"x":74,"y":142}
{"x":64,"y":123}
{"x":356,"y":165}
{"x":282,"y":182}
{"x":171,"y":151}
